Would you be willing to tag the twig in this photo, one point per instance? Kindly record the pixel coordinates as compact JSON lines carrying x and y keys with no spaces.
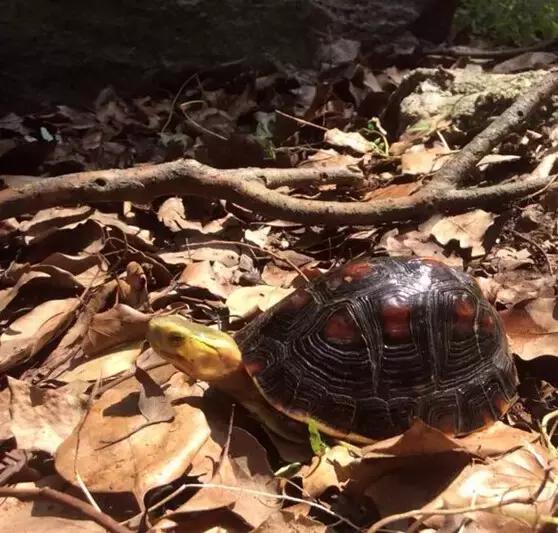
{"x":252,"y":187}
{"x":175,"y":99}
{"x":476,"y":53}
{"x":225,"y":450}
{"x":537,"y":247}
{"x":35,"y":493}
{"x":300,"y":120}
{"x":78,"y":429}
{"x":462,"y":166}
{"x":261,"y":494}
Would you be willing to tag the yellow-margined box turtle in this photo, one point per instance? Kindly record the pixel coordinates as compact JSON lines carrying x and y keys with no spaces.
{"x":360,"y":351}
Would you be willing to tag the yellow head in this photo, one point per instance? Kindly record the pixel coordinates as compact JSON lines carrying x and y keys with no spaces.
{"x":199,"y":351}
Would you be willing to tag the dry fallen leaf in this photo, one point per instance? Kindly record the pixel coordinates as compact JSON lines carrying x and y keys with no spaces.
{"x":395,"y":190}
{"x":417,"y":243}
{"x":212,"y":277}
{"x":42,"y":418}
{"x":277,"y":276}
{"x":516,"y":286}
{"x":55,"y":217}
{"x":29,"y":333}
{"x":292,"y":519}
{"x":105,"y":365}
{"x":152,"y":402}
{"x":332,"y":469}
{"x":172,"y":213}
{"x":259,"y":236}
{"x":329,"y":158}
{"x":421,"y":439}
{"x":516,"y":475}
{"x":467,"y":229}
{"x":532,"y":328}
{"x":421,"y":160}
{"x":353,"y":140}
{"x":5,"y":417}
{"x":118,"y":452}
{"x":247,"y":301}
{"x":88,"y":270}
{"x":247,"y":468}
{"x":227,"y":254}
{"x":116,"y":326}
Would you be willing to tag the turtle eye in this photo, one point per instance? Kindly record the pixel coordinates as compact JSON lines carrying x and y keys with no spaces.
{"x":175,"y":339}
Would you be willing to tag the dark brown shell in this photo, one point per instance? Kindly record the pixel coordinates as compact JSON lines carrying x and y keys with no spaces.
{"x":377,"y":342}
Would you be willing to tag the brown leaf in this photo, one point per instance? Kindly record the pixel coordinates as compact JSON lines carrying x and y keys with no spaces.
{"x":146,"y":456}
{"x":519,"y":474}
{"x":258,"y":236}
{"x":27,"y":335}
{"x":467,"y":229}
{"x":532,"y":328}
{"x":5,"y":417}
{"x":421,"y":160}
{"x":329,"y":158}
{"x":152,"y":402}
{"x":42,"y":418}
{"x":247,"y":301}
{"x":277,"y":276}
{"x":248,"y":469}
{"x":88,"y":270}
{"x":396,"y":190}
{"x":172,"y":214}
{"x":105,"y":365}
{"x":142,"y":237}
{"x":513,"y":287}
{"x":416,"y":243}
{"x":353,"y":140}
{"x":7,"y":295}
{"x":212,"y":277}
{"x":116,"y":326}
{"x":291,"y":520}
{"x":333,"y":469}
{"x":419,"y":439}
{"x":495,"y":440}
{"x":228,"y":254}
{"x":132,"y":289}
{"x":55,"y":217}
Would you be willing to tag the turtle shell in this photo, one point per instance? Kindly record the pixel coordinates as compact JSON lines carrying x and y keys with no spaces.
{"x":370,"y":346}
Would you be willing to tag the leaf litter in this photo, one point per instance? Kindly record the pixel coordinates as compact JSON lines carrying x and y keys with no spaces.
{"x":97,"y":414}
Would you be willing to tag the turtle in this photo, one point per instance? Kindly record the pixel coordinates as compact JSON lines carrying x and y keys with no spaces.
{"x":361,"y":351}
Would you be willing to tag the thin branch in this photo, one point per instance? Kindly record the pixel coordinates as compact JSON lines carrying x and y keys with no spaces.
{"x":478,"y":53}
{"x":252,"y":187}
{"x":261,"y":494}
{"x":36,"y":493}
{"x":463,"y":165}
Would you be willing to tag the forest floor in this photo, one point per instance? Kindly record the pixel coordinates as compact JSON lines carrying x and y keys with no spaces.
{"x":296,"y":171}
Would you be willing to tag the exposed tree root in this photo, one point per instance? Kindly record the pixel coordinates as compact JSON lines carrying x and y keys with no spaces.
{"x":253,"y":188}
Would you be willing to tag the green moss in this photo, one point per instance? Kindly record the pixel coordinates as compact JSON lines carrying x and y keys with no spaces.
{"x":510,"y":22}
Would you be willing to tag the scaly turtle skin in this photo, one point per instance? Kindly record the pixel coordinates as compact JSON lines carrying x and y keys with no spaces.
{"x":361,"y":351}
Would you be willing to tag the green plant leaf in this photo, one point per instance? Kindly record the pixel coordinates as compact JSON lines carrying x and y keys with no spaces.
{"x":318,"y":445}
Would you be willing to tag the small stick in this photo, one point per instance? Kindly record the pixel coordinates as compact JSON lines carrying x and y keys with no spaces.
{"x":54,"y":495}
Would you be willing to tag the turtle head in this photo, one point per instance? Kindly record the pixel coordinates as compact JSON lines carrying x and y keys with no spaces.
{"x":199,"y":351}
